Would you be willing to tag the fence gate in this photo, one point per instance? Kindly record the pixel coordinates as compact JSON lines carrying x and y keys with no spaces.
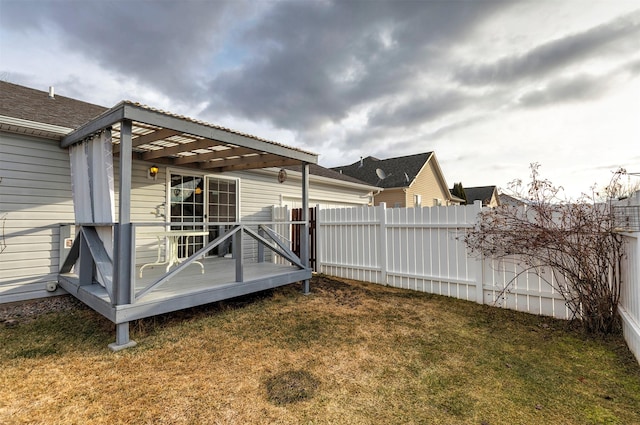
{"x":296,"y":215}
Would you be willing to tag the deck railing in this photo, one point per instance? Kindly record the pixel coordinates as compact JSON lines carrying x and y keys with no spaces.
{"x":92,"y":262}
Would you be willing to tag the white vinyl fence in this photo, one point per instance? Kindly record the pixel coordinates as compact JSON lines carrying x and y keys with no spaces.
{"x":630,"y":294}
{"x":423,"y":249}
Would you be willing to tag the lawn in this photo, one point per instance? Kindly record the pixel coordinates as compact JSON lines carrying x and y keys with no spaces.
{"x":349,"y":353}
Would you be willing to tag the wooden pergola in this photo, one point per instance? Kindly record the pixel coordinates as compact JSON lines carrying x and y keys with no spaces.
{"x":142,"y":133}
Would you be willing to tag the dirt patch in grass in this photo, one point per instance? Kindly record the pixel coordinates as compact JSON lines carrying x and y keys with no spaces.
{"x":350,"y":352}
{"x":291,"y":386}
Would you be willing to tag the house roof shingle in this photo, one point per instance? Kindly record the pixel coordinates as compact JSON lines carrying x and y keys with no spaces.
{"x":34,"y":105}
{"x":399,"y":171}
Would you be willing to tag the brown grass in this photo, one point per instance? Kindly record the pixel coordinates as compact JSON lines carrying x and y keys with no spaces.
{"x":350,"y":353}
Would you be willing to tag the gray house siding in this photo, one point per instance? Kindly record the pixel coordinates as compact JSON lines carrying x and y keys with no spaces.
{"x":35,"y":197}
{"x":261,"y":190}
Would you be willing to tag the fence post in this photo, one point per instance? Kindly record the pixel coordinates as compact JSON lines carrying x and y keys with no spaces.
{"x":382,"y":210}
{"x":478,"y":262}
{"x":304,"y":230}
{"x":479,"y":272}
{"x":316,"y":239}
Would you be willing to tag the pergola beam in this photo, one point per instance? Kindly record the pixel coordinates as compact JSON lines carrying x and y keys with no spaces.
{"x":261,"y":163}
{"x":248,"y":162}
{"x":203,"y":157}
{"x":105,"y":120}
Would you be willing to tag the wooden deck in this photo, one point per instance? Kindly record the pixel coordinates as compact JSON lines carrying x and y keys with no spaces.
{"x":188,"y":288}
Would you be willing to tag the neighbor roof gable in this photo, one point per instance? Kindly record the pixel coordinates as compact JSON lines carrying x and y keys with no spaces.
{"x":480,"y":193}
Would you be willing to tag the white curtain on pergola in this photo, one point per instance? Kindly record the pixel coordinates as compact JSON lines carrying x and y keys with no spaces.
{"x":92,"y":186}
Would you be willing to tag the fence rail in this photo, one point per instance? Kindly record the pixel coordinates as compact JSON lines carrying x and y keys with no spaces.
{"x":423,"y":249}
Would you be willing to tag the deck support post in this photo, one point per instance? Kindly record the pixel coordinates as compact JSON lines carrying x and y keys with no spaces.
{"x":304,"y":232}
{"x":261,"y":246}
{"x":124,"y":249}
{"x":122,"y":338}
{"x":238,"y":255}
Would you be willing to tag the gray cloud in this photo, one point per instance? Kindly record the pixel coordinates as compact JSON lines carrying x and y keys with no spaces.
{"x":307,"y":66}
{"x":574,"y":89}
{"x":297,"y":65}
{"x":315,"y":62}
{"x":634,"y":68}
{"x":418,"y":110}
{"x":578,"y":88}
{"x":159,"y":43}
{"x":554,"y":55}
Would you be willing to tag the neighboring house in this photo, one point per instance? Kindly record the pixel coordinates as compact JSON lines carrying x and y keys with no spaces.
{"x":178,"y":170}
{"x":509,"y":200}
{"x":487,"y":194}
{"x":406,"y":181}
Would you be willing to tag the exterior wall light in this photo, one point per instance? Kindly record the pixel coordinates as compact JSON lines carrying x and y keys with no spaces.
{"x":282,"y":176}
{"x":153,"y":172}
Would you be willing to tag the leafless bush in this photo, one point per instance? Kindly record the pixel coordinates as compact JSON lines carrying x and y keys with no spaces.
{"x":575,"y":239}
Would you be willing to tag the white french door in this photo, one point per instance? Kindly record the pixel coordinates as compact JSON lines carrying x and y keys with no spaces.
{"x":222,"y":207}
{"x":202,"y":203}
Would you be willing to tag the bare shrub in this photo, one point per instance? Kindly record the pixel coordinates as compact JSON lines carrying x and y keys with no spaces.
{"x":576,"y":240}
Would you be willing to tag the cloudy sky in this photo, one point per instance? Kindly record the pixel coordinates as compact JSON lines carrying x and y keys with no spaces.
{"x":490,"y":86}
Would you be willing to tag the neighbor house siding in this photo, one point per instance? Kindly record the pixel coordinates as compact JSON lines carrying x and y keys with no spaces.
{"x":494,"y":200}
{"x":392,"y":197}
{"x":35,"y":197}
{"x":428,"y":186}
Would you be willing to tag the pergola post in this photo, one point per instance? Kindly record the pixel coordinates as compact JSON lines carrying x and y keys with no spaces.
{"x":123,"y":252}
{"x":304,"y":231}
